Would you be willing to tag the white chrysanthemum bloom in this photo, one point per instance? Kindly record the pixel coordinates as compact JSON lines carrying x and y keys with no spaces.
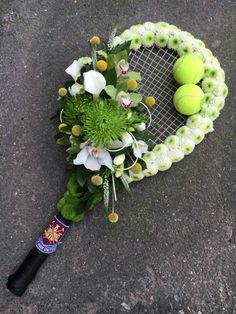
{"x":148,"y":39}
{"x":136,"y":42}
{"x":117,"y":40}
{"x":127,"y":35}
{"x":85,"y":60}
{"x":164,"y":163}
{"x":208,"y":85}
{"x":219,"y":102}
{"x":161,"y":39}
{"x":136,"y":176}
{"x":75,"y":69}
{"x":75,"y":89}
{"x":140,"y":126}
{"x":139,"y":148}
{"x":183,"y":131}
{"x":93,"y":157}
{"x":162,"y":27}
{"x":185,"y":48}
{"x":175,"y":154}
{"x":207,"y":54}
{"x":127,"y":139}
{"x":94,"y":82}
{"x":138,"y":28}
{"x":174,"y":42}
{"x":206,"y":125}
{"x":210,"y":111}
{"x":197,"y":135}
{"x":160,"y":150}
{"x":214,"y":61}
{"x":119,"y":160}
{"x":174,"y":30}
{"x":194,"y":121}
{"x":149,"y":26}
{"x":221,"y":89}
{"x":186,"y":36}
{"x":150,"y":159}
{"x":198,"y":44}
{"x":151,"y":171}
{"x":208,"y":98}
{"x":172,"y":141}
{"x":187,"y":145}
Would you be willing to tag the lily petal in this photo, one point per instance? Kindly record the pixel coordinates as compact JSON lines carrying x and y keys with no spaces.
{"x":94,"y":82}
{"x":82,"y":157}
{"x":74,"y":69}
{"x":106,"y":160}
{"x":92,"y":164}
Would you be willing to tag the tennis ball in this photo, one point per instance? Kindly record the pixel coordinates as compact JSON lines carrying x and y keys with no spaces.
{"x":187,"y":99}
{"x":188,"y":69}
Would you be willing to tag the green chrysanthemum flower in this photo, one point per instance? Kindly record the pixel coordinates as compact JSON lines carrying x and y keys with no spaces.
{"x":185,"y":48}
{"x":74,"y":106}
{"x":136,"y":42}
{"x":103,"y":122}
{"x":174,"y":42}
{"x":161,"y":40}
{"x":148,"y":39}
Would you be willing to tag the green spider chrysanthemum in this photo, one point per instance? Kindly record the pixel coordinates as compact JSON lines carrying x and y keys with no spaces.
{"x":74,"y":106}
{"x":104,"y":122}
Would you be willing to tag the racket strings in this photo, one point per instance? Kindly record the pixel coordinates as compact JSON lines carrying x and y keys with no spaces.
{"x":156,"y":68}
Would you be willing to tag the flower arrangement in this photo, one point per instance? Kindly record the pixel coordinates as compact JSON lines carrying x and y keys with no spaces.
{"x":103,"y":124}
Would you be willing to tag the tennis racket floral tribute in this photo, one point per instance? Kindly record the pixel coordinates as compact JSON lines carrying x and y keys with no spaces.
{"x":112,"y":134}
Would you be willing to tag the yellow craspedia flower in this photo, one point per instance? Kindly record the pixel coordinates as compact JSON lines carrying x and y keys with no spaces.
{"x":101,"y":65}
{"x":137,"y":168}
{"x":113,"y":217}
{"x":97,"y":180}
{"x":62,"y":91}
{"x":61,"y":126}
{"x":150,"y":101}
{"x":76,"y":130}
{"x":132,"y":84}
{"x":95,"y":40}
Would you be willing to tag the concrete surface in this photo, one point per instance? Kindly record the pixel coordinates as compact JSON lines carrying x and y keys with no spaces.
{"x":174,"y":248}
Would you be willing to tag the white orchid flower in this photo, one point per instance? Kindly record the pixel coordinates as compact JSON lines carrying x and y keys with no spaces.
{"x":122,"y":67}
{"x":94,"y":82}
{"x":124,"y":100}
{"x":74,"y":69}
{"x":139,"y":148}
{"x":75,"y":89}
{"x":93,"y":157}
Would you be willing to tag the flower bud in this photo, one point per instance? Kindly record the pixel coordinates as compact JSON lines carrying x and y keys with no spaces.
{"x":127,"y":139}
{"x":119,"y":159}
{"x":140,"y":126}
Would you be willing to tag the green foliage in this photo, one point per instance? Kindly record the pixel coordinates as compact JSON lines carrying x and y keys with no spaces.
{"x":104,"y":122}
{"x":74,"y":106}
{"x":111,"y":91}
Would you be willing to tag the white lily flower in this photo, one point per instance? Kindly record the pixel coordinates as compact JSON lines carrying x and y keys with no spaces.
{"x":75,"y":89}
{"x":93,"y":157}
{"x":124,"y":100}
{"x":74,"y":69}
{"x":94,"y":82}
{"x":139,"y":148}
{"x":127,"y":139}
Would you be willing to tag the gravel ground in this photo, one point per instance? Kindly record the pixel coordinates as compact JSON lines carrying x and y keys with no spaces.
{"x":173,"y":250}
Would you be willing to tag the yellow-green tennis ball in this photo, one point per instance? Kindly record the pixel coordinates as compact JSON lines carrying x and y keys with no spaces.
{"x":188,"y":69}
{"x":188,"y":98}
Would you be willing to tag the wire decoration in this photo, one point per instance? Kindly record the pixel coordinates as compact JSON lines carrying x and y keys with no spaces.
{"x":155,"y":66}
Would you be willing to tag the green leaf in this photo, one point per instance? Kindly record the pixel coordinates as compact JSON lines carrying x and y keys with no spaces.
{"x":110,"y":61}
{"x":120,"y":47}
{"x":122,"y":86}
{"x":142,"y":163}
{"x":81,"y":175}
{"x":111,"y":91}
{"x":111,"y":77}
{"x":73,"y":150}
{"x":126,"y":185}
{"x":79,"y":217}
{"x":57,"y":114}
{"x":121,"y":55}
{"x":136,"y":98}
{"x":133,"y":75}
{"x":102,"y":53}
{"x":63,"y":140}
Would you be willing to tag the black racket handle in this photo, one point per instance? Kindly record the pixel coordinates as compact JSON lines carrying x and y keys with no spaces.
{"x":46,"y":244}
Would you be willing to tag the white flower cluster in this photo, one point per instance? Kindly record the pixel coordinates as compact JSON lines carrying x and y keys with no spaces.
{"x":213,"y":84}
